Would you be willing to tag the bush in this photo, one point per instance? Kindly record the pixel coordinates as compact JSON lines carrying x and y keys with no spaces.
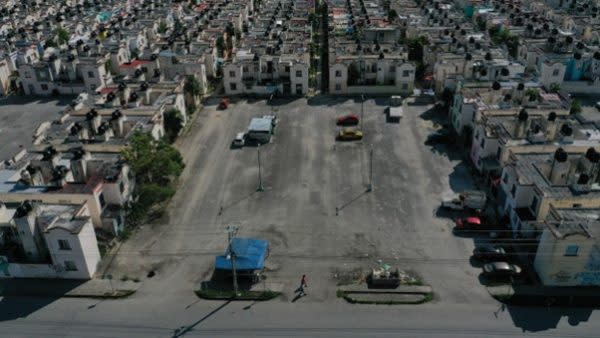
{"x":173,"y":122}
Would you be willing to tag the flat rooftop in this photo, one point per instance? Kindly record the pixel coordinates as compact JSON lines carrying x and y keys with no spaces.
{"x":19,"y":118}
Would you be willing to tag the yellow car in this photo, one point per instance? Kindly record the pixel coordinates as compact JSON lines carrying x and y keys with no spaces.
{"x":349,"y":134}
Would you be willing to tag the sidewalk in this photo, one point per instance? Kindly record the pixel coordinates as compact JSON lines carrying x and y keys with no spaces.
{"x":94,"y":288}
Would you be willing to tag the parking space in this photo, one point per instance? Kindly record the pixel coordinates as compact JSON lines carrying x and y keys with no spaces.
{"x":315,"y":208}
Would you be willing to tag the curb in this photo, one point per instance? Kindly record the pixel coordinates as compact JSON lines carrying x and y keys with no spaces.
{"x":228,"y":295}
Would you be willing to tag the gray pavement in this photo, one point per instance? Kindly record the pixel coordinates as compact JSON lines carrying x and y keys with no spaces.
{"x":21,"y":115}
{"x":306,"y":176}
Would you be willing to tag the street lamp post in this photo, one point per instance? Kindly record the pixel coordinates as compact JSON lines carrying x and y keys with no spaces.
{"x":231,"y":231}
{"x":260,"y":186}
{"x":370,"y":187}
{"x":362,"y":111}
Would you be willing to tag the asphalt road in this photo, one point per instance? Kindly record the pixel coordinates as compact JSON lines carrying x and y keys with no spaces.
{"x":306,"y":175}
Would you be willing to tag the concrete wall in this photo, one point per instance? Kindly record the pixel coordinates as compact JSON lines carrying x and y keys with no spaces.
{"x":84,"y":251}
{"x":556,"y":269}
{"x":16,"y":270}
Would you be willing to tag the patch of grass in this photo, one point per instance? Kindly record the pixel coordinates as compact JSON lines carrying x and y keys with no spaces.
{"x":244,"y":295}
{"x":342,"y":294}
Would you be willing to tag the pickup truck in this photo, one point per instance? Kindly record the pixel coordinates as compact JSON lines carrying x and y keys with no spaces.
{"x":473,"y":200}
{"x":395,"y":110}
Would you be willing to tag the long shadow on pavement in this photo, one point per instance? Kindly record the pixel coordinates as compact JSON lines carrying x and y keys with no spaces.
{"x":185,"y":329}
{"x":534,"y":319}
{"x":22,"y":297}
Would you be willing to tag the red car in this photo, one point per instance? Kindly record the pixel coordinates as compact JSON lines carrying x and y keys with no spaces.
{"x":468,"y":222}
{"x":347,"y":120}
{"x":224,"y":103}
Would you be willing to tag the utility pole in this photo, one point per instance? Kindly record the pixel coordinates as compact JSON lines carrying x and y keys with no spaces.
{"x":362,"y":111}
{"x":231,"y":232}
{"x":260,"y":186}
{"x":370,"y":187}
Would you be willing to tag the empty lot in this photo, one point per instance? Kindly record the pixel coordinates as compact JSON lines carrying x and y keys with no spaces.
{"x":307,"y":175}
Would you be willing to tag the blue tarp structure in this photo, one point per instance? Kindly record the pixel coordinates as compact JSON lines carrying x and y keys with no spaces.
{"x":250,"y":254}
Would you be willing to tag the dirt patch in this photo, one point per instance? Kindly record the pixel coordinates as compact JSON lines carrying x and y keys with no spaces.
{"x":349,"y":276}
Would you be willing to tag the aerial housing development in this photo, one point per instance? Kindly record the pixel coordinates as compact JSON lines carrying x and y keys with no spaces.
{"x":315,"y":167}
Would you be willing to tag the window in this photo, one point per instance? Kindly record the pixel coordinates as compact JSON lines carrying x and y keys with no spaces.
{"x":555,"y":72}
{"x":245,"y":69}
{"x":287,"y":69}
{"x":91,"y":75}
{"x":70,"y":266}
{"x":298,"y":73}
{"x":405,"y":73}
{"x":233,"y":86}
{"x":513,"y":190}
{"x":232,"y":73}
{"x":373,"y":68}
{"x":534,"y":204}
{"x":298,"y":88}
{"x":44,"y":86}
{"x":63,"y":244}
{"x":572,"y":250}
{"x":338,"y":86}
{"x":101,"y":199}
{"x":338,"y":73}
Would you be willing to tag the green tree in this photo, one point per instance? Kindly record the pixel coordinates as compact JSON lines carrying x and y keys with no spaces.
{"x":554,"y":88}
{"x":532,"y":93}
{"x":192,"y":86}
{"x":575,"y":107}
{"x":62,"y":35}
{"x":173,"y":123}
{"x":392,"y":15}
{"x":353,"y":74}
{"x":162,"y":28}
{"x":415,"y":48}
{"x":152,"y":161}
{"x":220,"y":43}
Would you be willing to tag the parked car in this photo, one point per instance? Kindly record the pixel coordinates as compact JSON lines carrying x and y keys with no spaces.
{"x":468,"y":223}
{"x":490,"y":253}
{"x":224,"y":103}
{"x":439,"y":136}
{"x":349,"y":135}
{"x":501,"y":269}
{"x":473,"y":199}
{"x":347,"y":120}
{"x":239,"y":140}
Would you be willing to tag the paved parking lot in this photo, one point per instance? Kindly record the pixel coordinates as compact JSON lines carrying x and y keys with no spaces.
{"x":307,"y":175}
{"x":20,"y":116}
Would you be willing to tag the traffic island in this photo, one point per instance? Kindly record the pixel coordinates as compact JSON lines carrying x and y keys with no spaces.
{"x":403,"y":294}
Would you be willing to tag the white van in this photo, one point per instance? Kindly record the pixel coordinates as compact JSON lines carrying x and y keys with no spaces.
{"x":239,"y":140}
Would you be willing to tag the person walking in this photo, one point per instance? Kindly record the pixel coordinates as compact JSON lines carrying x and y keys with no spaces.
{"x":302,"y":286}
